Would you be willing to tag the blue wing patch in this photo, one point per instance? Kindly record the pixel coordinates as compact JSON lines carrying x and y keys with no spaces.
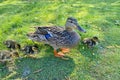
{"x":47,"y":36}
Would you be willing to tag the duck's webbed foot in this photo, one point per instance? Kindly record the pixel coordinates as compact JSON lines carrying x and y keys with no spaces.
{"x":60,"y":55}
{"x":65,"y":50}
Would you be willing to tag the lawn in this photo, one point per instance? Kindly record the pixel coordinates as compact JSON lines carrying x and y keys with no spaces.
{"x":99,"y":17}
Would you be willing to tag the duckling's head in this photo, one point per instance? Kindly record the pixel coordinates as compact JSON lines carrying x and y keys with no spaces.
{"x":72,"y":23}
{"x":95,"y":39}
{"x":35,"y":48}
{"x":18,"y":46}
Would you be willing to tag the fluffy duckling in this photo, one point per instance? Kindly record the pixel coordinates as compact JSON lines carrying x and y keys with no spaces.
{"x":11,"y":44}
{"x":7,"y":55}
{"x":29,"y":49}
{"x":90,"y":42}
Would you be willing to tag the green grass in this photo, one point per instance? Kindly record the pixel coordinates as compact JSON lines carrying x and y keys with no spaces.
{"x":99,"y":17}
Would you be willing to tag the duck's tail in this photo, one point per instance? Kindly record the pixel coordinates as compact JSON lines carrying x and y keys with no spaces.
{"x":36,"y":37}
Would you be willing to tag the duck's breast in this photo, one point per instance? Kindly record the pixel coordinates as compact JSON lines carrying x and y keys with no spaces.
{"x":75,"y":38}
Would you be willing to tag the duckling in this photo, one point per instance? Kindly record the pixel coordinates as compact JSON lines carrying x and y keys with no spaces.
{"x":15,"y":54}
{"x":90,"y":42}
{"x":11,"y":44}
{"x":30,"y":49}
{"x":7,"y":55}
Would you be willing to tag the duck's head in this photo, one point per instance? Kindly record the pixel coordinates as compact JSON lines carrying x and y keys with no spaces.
{"x":72,"y":23}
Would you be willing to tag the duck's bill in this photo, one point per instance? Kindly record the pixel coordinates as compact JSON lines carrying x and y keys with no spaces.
{"x":81,"y":29}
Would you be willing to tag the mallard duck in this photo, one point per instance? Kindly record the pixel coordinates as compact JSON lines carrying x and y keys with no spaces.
{"x":58,"y":37}
{"x":7,"y":55}
{"x":90,"y":42}
{"x":11,"y":44}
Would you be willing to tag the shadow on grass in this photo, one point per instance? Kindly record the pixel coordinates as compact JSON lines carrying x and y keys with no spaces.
{"x":51,"y":68}
{"x":3,"y":70}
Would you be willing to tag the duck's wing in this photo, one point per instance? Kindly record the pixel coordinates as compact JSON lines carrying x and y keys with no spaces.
{"x":46,"y":34}
{"x":62,"y":39}
{"x":47,"y":30}
{"x":56,"y":33}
